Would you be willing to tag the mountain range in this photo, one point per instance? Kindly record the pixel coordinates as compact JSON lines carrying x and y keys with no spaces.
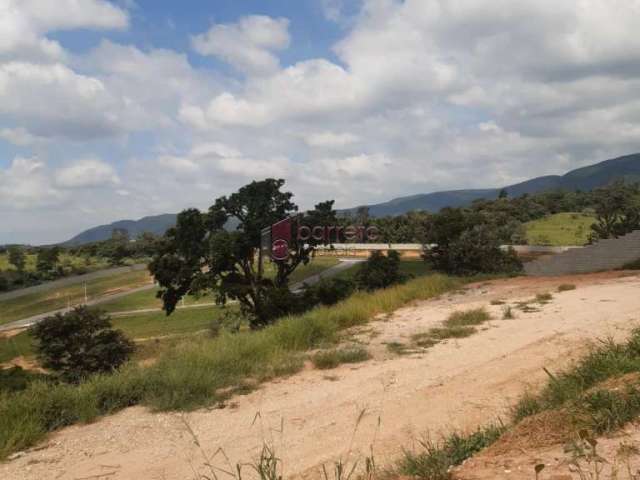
{"x":585,"y":178}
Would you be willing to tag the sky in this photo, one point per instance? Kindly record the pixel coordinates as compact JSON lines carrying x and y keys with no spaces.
{"x":119,"y":109}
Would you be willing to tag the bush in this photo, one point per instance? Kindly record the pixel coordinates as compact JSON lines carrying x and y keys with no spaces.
{"x":15,"y":379}
{"x":80,"y":343}
{"x":380,"y":271}
{"x":476,"y":250}
{"x":328,"y":291}
{"x":4,"y":282}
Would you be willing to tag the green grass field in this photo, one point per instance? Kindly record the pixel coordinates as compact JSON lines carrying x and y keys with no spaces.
{"x":560,"y":229}
{"x":42,"y":302}
{"x":137,"y":327}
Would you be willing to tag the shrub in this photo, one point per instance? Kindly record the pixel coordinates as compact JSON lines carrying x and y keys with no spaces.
{"x":332,"y":358}
{"x":4,"y":282}
{"x":565,"y":287}
{"x":328,"y":291}
{"x":380,"y":271}
{"x":476,"y":250}
{"x":80,"y":343}
{"x":476,"y":316}
{"x":15,"y":379}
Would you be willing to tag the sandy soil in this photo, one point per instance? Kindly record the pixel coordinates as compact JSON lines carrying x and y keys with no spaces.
{"x":310,"y":418}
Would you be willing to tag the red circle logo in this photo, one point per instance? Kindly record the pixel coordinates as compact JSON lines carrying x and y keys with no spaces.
{"x":280,"y":250}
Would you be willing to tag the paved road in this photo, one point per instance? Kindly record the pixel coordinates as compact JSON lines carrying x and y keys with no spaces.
{"x":67,"y":281}
{"x":27,"y":322}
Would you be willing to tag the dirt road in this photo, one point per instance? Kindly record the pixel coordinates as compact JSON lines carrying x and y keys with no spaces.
{"x":310,"y":417}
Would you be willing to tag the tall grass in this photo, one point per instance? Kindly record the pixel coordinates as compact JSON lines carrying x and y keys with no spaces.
{"x":201,"y":372}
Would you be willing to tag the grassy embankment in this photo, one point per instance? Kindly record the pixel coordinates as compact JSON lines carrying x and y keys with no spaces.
{"x":597,"y":396}
{"x":201,"y":371}
{"x":560,"y":229}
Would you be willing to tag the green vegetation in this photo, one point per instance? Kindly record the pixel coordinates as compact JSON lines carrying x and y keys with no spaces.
{"x":65,"y":259}
{"x":16,"y":346}
{"x":507,"y":313}
{"x":470,"y":317}
{"x":544,"y":298}
{"x":436,"y":458}
{"x":565,"y":287}
{"x":42,"y":302}
{"x":211,"y":258}
{"x":379,"y":271}
{"x":560,"y":229}
{"x":462,"y":242}
{"x":80,"y":343}
{"x":598,"y":395}
{"x":575,"y":390}
{"x":458,"y":325}
{"x":332,"y":358}
{"x":137,"y":327}
{"x":201,"y":371}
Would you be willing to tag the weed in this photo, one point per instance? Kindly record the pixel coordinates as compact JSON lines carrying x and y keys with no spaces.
{"x":397,"y":348}
{"x":507,"y":313}
{"x":424,"y":340}
{"x":497,"y":302}
{"x":565,"y":287}
{"x":332,"y":358}
{"x":436,"y":458}
{"x":543,"y":298}
{"x":451,"y":332}
{"x":470,"y":317}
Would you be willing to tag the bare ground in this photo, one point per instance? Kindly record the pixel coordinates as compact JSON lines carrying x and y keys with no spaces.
{"x":310,"y":418}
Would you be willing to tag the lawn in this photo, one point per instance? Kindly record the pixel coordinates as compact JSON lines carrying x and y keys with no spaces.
{"x":42,"y":302}
{"x":560,"y":229}
{"x":137,"y":327}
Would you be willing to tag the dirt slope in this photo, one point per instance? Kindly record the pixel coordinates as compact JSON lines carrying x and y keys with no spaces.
{"x":309,"y":418}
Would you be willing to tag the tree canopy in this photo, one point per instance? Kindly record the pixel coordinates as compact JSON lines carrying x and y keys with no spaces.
{"x":203,"y":254}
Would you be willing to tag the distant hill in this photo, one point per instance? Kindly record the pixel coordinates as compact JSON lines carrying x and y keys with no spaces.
{"x":586,"y":178}
{"x":157,"y":224}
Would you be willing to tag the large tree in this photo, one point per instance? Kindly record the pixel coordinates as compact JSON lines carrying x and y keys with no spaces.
{"x":203,"y":253}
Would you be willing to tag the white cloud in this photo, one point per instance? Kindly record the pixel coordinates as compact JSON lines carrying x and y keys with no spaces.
{"x":25,"y":23}
{"x":19,"y":136}
{"x":53,"y":100}
{"x":248,"y":45}
{"x":419,"y":95}
{"x":86,"y":174}
{"x":330,"y":139}
{"x":27,"y":185}
{"x":332,"y":9}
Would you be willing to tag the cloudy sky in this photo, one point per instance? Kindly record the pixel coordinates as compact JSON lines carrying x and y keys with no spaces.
{"x":125,"y":108}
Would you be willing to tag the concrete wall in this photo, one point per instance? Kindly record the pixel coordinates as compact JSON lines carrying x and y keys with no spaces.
{"x":605,"y":255}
